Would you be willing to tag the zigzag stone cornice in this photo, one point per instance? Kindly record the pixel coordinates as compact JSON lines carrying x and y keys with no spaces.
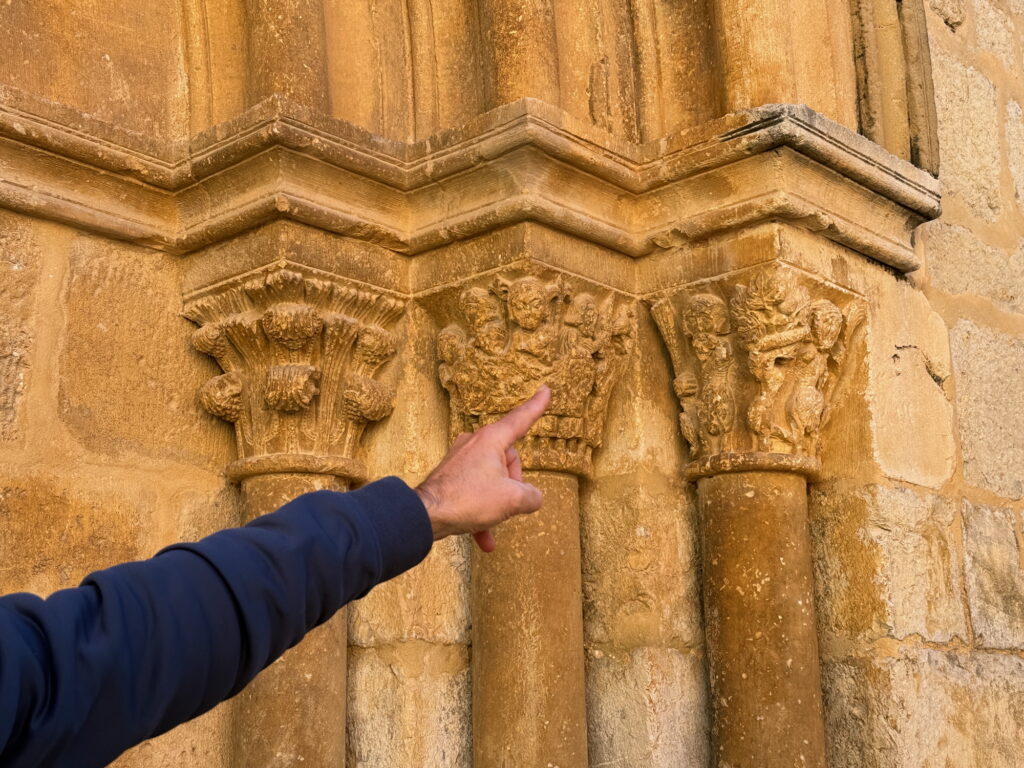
{"x":525,"y":161}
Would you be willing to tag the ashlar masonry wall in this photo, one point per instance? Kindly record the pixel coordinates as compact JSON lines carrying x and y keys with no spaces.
{"x":720,"y":200}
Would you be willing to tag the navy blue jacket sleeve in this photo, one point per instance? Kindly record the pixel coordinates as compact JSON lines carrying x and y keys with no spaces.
{"x":141,"y":647}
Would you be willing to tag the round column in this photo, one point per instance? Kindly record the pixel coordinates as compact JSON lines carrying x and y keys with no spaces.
{"x":529,"y":702}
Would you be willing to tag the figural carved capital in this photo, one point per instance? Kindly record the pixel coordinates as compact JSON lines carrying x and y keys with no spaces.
{"x":521,"y":330}
{"x":299,"y":350}
{"x":757,"y":357}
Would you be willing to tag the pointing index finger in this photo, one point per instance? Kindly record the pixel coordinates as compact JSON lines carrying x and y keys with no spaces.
{"x":517,"y":422}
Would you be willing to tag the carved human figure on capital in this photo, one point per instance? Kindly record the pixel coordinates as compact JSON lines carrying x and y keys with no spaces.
{"x":521,"y":332}
{"x":793,"y":347}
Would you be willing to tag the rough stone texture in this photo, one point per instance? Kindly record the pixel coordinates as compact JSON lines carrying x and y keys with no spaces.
{"x":429,"y":603}
{"x":952,"y":12}
{"x":426,"y":682}
{"x":19,"y":270}
{"x":926,"y":709}
{"x":119,"y":460}
{"x":64,"y":532}
{"x":990,"y":406}
{"x":968,"y":135}
{"x":959,"y":262}
{"x":640,"y":563}
{"x":112,"y":58}
{"x":994,"y":33}
{"x":995,"y":575}
{"x":908,"y":374}
{"x":887,"y":563}
{"x":129,"y":379}
{"x":647,"y":707}
{"x":1015,"y":147}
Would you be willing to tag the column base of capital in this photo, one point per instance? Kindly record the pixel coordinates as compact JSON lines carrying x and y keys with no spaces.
{"x":351,"y":470}
{"x":755,"y":461}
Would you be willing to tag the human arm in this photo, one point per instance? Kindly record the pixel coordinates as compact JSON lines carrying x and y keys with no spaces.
{"x":143,"y":646}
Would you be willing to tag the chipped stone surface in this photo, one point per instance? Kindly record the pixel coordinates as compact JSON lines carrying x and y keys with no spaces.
{"x":969,"y":142}
{"x":952,"y":12}
{"x":129,"y":379}
{"x":959,"y":262}
{"x":887,"y":564}
{"x":995,"y":576}
{"x":990,"y":407}
{"x":640,"y":563}
{"x":994,"y":32}
{"x":647,"y":707}
{"x":429,"y":603}
{"x":1015,"y":146}
{"x":19,"y":269}
{"x":918,"y":708}
{"x":391,"y":692}
{"x":63,"y":531}
{"x":908,"y":373}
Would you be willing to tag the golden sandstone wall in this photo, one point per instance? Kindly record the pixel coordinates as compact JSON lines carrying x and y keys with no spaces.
{"x":251,"y":247}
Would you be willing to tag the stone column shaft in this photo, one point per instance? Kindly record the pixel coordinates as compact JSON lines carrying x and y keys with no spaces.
{"x":759,"y":617}
{"x":758,"y":358}
{"x":299,"y":349}
{"x":529,"y":703}
{"x":287,"y":51}
{"x":311,"y":676}
{"x":528,"y":328}
{"x":520,"y":51}
{"x":788,"y":51}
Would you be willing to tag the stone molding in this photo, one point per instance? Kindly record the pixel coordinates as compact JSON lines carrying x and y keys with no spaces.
{"x":757,"y":355}
{"x":525,"y":161}
{"x":299,"y":349}
{"x":526,"y":328}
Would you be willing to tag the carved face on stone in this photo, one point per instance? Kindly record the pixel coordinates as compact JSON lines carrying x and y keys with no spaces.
{"x":582,"y":313}
{"x":479,"y":308}
{"x":826,"y":321}
{"x":529,"y":302}
{"x":706,"y":314}
{"x":492,"y":337}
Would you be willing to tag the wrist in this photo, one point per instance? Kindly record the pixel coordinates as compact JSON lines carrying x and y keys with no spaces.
{"x":432,"y":504}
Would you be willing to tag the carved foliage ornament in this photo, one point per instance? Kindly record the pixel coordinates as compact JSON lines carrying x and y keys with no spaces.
{"x":757,"y":362}
{"x":521,"y":332}
{"x":299,"y":352}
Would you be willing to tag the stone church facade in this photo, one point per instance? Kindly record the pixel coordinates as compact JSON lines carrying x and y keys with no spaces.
{"x":769,"y":255}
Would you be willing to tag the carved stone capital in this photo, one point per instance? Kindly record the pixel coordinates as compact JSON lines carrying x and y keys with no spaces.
{"x":299,"y":349}
{"x":757,"y":357}
{"x":521,"y":330}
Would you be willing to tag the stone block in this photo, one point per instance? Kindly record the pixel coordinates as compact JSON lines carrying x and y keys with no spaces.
{"x":204,"y":742}
{"x":886,"y":563}
{"x":19,"y":270}
{"x":918,"y":708}
{"x":647,"y":707}
{"x":907,"y":378}
{"x":995,"y":576}
{"x":640,"y":563}
{"x":959,"y":262}
{"x":430,"y":602}
{"x":969,"y":140}
{"x":990,"y":407}
{"x":129,"y":378}
{"x":63,"y":531}
{"x":409,"y":705}
{"x":994,"y":33}
{"x":1015,"y":145}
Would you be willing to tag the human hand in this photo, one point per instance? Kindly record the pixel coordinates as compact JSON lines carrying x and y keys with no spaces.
{"x":479,"y":483}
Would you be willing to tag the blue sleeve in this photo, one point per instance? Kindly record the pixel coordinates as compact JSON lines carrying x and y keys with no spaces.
{"x":141,"y":647}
